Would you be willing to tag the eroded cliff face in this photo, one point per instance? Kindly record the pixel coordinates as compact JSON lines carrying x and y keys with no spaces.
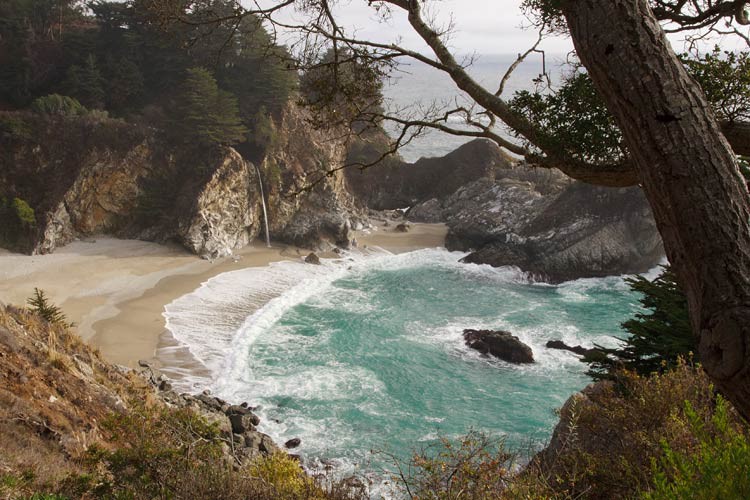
{"x":84,"y":177}
{"x":226,"y":212}
{"x":309,"y":207}
{"x":80,"y":175}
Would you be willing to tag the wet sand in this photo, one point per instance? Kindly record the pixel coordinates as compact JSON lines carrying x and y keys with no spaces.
{"x":115,"y":290}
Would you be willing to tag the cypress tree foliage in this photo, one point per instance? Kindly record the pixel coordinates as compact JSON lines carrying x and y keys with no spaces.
{"x":205,"y":114}
{"x":659,"y":336}
{"x":86,"y":83}
{"x":56,"y":104}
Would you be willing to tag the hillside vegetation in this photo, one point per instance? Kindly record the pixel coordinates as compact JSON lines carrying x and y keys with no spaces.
{"x":74,"y":426}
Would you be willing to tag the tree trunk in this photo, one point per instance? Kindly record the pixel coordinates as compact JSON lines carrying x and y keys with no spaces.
{"x":688,"y":171}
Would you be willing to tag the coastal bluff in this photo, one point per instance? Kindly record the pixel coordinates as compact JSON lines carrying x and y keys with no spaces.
{"x":106,"y":176}
{"x":83,"y":175}
{"x":60,"y":401}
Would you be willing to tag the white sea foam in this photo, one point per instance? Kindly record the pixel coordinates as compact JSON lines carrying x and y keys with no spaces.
{"x":232,"y":326}
{"x":218,"y":322}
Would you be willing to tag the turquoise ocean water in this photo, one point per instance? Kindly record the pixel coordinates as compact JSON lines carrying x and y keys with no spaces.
{"x":365,"y":353}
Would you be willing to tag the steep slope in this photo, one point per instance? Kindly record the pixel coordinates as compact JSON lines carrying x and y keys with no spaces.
{"x":60,"y":403}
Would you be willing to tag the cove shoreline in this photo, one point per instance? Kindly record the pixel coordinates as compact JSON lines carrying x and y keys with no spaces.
{"x":115,"y":290}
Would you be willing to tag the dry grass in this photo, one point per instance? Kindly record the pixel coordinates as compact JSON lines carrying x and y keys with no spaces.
{"x":54,"y":392}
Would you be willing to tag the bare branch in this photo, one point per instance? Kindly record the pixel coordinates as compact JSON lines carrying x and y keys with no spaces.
{"x":520,"y":59}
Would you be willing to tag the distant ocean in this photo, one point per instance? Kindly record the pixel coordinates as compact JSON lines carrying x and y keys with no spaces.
{"x":417,"y":84}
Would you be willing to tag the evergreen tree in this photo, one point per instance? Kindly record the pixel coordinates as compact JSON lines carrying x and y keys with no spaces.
{"x":86,"y":84}
{"x":41,"y":305}
{"x":125,"y":84}
{"x":205,"y":114}
{"x":658,"y":336}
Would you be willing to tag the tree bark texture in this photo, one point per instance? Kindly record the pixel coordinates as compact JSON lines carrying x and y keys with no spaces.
{"x":688,"y":171}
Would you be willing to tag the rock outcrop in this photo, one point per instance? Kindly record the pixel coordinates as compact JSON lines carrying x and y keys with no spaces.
{"x":548,"y":225}
{"x":226,"y":213}
{"x":311,"y":206}
{"x":511,"y":214}
{"x":585,"y":231}
{"x":398,"y":184}
{"x":501,"y":344}
{"x":84,"y":176}
{"x":236,"y":423}
{"x":80,"y":175}
{"x":575,"y":349}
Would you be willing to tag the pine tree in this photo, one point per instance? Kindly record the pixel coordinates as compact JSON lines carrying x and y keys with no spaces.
{"x":206,"y":114}
{"x":86,"y":84}
{"x":41,"y":305}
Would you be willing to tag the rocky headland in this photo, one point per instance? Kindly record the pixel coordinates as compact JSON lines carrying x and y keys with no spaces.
{"x":101,"y":175}
{"x":507,"y":213}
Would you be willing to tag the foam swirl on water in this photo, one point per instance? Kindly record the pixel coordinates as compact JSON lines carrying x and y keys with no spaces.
{"x":366,"y":352}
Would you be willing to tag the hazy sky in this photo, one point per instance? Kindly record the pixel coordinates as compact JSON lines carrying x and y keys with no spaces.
{"x":481,"y":26}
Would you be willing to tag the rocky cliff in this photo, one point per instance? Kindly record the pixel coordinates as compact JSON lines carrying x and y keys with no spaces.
{"x":84,"y":176}
{"x":511,"y":214}
{"x":398,"y":184}
{"x":79,"y":175}
{"x":311,"y":205}
{"x":548,"y":226}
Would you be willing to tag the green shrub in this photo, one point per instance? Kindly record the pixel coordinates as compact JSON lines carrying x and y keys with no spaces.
{"x":159,"y":452}
{"x":15,"y":126}
{"x":24,"y":212}
{"x":17,"y":223}
{"x":55,"y":104}
{"x":612,"y":437}
{"x":719,"y":467}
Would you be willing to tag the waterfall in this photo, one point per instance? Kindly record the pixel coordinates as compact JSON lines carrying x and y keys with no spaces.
{"x":265,"y":209}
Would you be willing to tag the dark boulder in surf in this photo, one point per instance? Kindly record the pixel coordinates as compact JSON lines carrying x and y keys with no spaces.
{"x":501,"y":344}
{"x":293,"y":443}
{"x":312,"y":259}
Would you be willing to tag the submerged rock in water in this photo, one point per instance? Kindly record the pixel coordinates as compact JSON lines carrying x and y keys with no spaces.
{"x":501,"y":344}
{"x":562,"y":346}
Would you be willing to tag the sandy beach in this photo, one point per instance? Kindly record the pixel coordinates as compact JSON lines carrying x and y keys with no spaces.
{"x":115,"y":290}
